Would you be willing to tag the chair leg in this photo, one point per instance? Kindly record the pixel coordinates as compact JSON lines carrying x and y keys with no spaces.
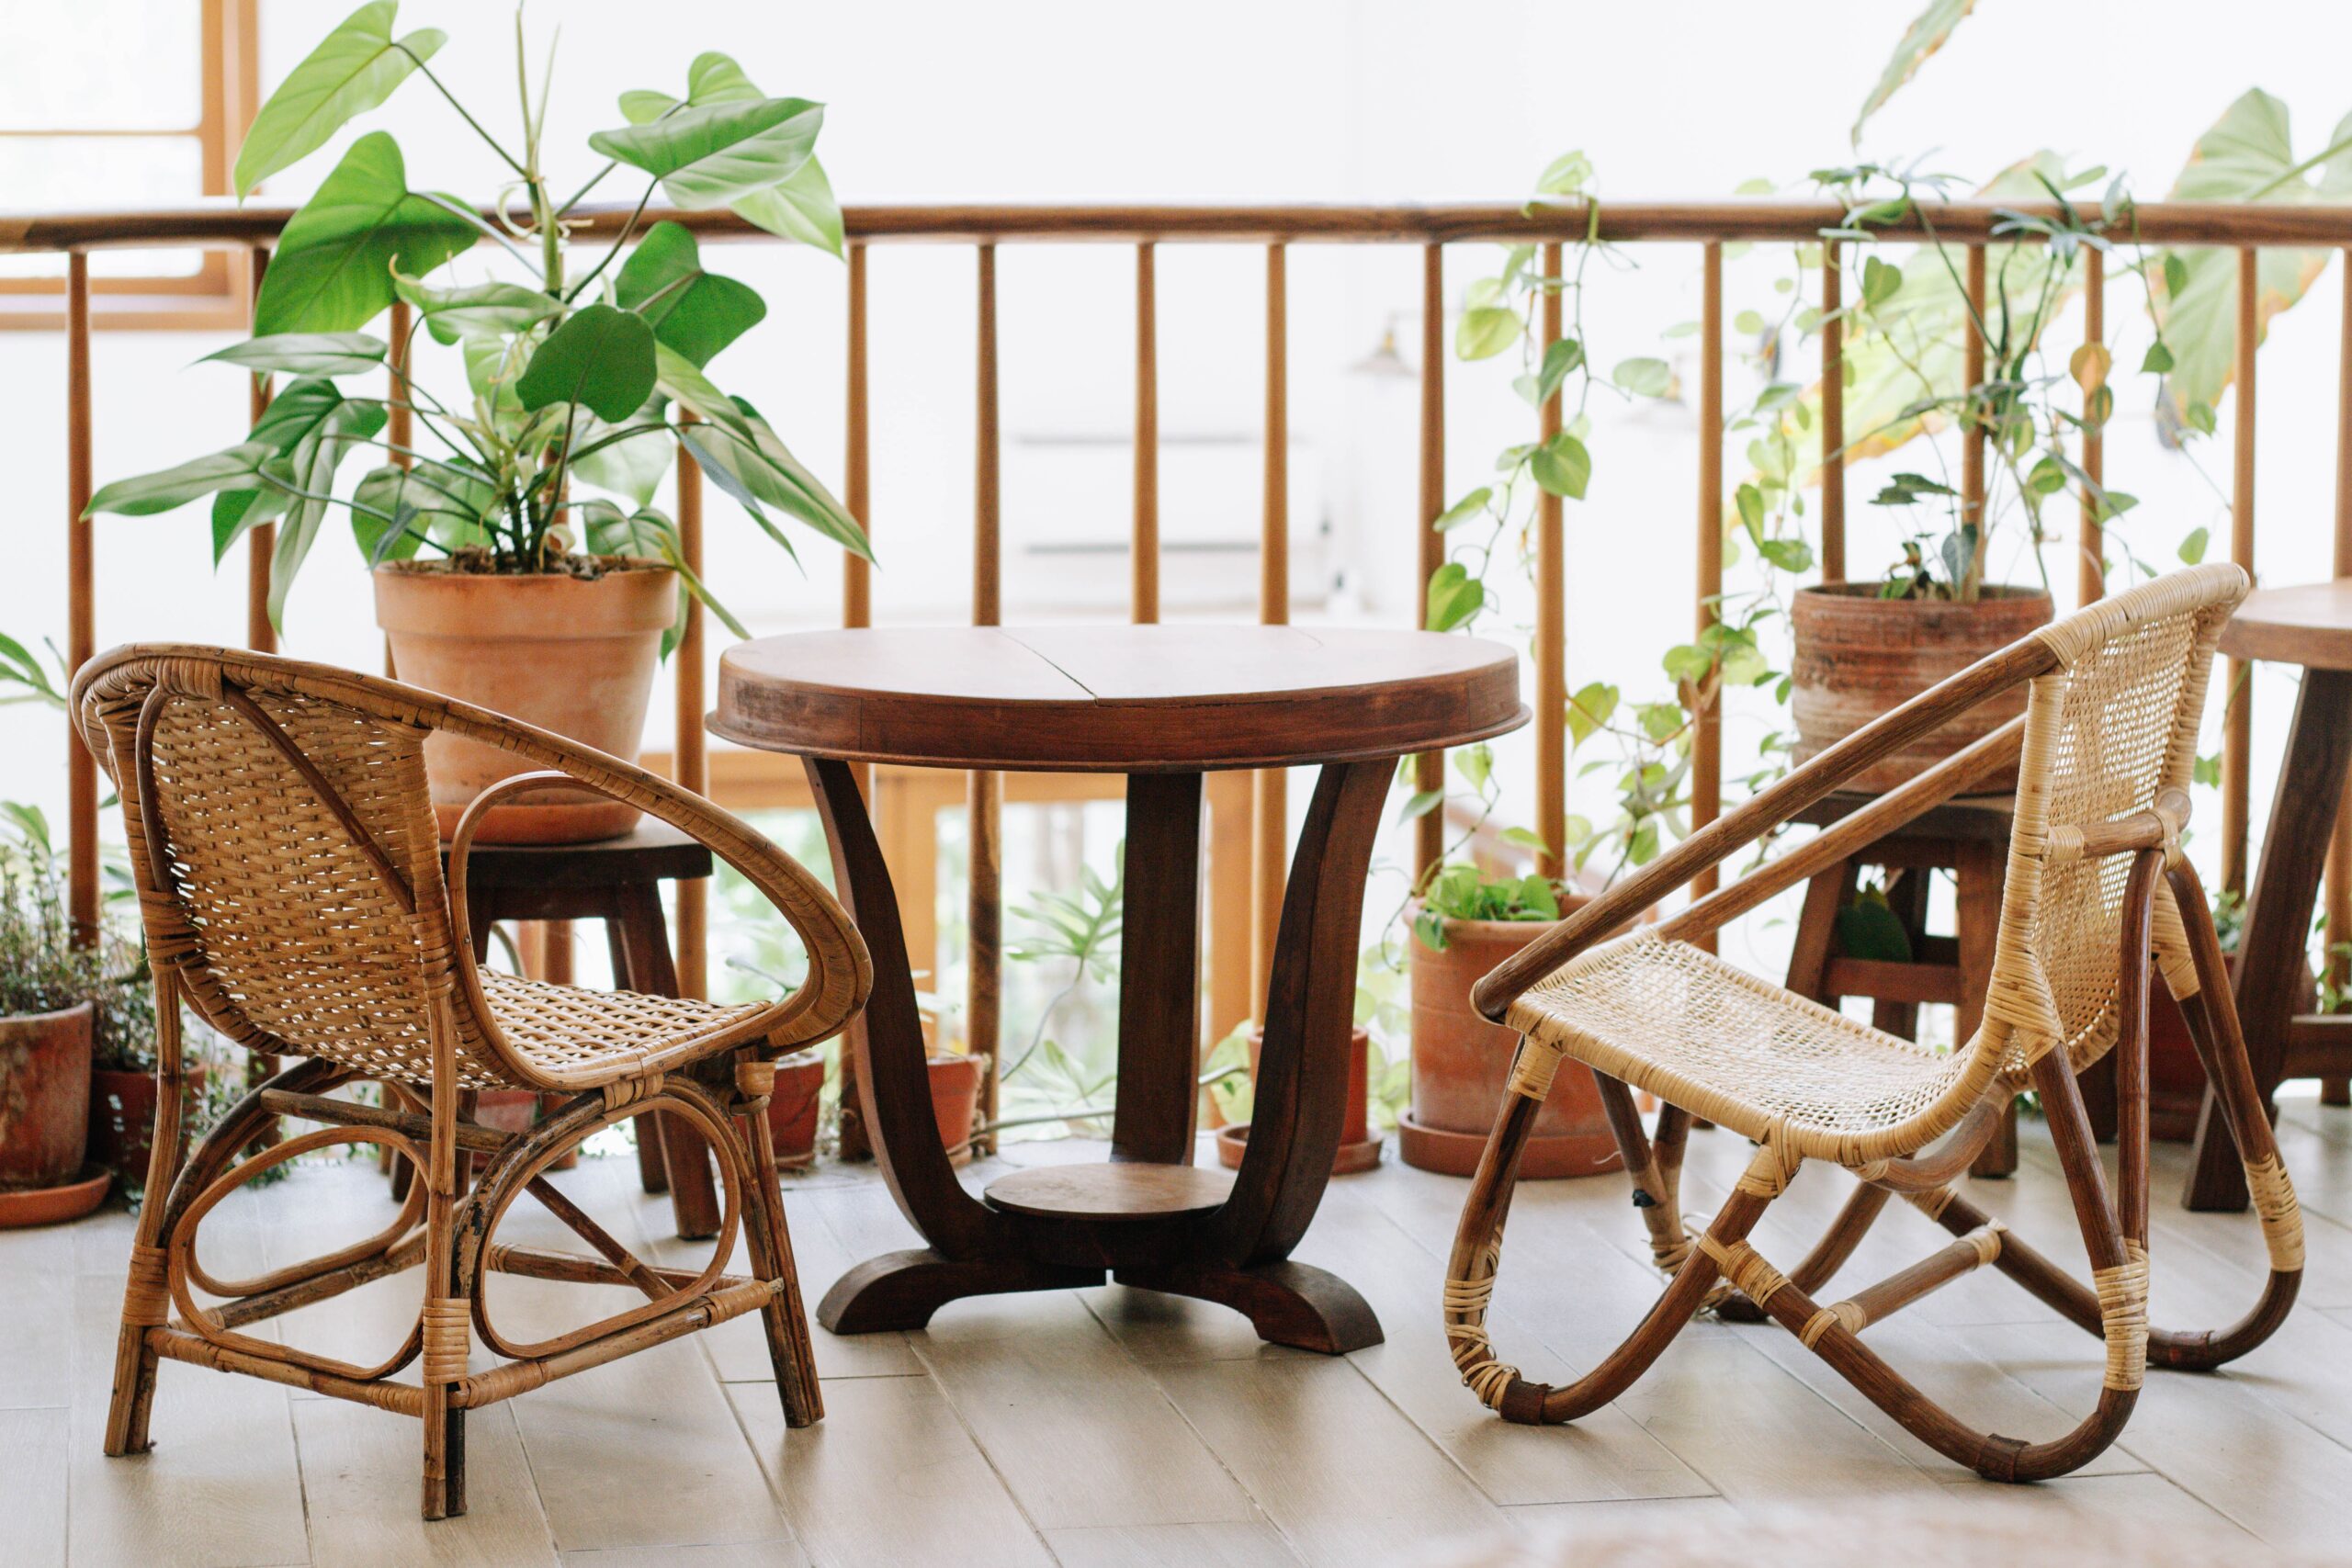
{"x":784,"y":1318}
{"x":146,"y":1302}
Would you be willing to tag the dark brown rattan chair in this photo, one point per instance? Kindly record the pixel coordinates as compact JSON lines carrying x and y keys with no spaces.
{"x":2097,"y":881}
{"x":289,"y":878}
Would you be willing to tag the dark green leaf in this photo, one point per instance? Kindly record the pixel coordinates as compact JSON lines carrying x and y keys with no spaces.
{"x":599,"y":357}
{"x":694,"y":311}
{"x":331,"y":272}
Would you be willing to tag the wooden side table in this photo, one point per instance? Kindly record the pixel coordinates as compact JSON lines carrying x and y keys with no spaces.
{"x":1163,"y":705}
{"x":618,"y":881}
{"x":2310,"y":627}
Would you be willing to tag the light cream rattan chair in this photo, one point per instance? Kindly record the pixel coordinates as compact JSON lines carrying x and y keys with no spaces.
{"x":290,"y":880}
{"x":2097,"y":882}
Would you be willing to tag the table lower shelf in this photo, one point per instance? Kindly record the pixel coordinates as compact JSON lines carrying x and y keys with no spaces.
{"x":1122,"y":1190}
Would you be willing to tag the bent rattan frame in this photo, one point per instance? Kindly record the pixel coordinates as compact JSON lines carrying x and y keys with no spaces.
{"x":290,"y":880}
{"x":2097,"y":887}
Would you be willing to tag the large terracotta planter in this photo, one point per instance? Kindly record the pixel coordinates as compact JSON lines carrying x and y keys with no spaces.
{"x":1858,"y":655}
{"x":570,"y":654}
{"x":1359,"y":1148}
{"x":1461,"y":1062}
{"x":122,"y":1118}
{"x":44,"y":1096}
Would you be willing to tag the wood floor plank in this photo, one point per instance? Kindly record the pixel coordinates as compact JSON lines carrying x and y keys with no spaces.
{"x":1078,"y":1429}
{"x":36,"y":1350}
{"x":360,"y":1481}
{"x":1382,"y":1486}
{"x":1172,"y":1546}
{"x":221,"y":1488}
{"x":889,"y":1475}
{"x":784,"y":1552}
{"x":33,"y":1444}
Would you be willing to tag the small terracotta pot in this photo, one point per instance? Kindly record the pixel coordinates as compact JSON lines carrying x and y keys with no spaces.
{"x":565,"y":653}
{"x":1461,"y":1062}
{"x":122,"y":1118}
{"x":44,"y":1096}
{"x":519,"y":1111}
{"x":792,"y":1109}
{"x":956,"y":1100}
{"x":1358,"y":1150}
{"x":1858,"y":655}
{"x":2176,"y":1077}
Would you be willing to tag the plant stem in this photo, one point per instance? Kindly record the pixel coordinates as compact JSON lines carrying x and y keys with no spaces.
{"x":469,"y":120}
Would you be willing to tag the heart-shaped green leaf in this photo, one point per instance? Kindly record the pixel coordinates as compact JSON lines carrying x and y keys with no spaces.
{"x":694,"y":311}
{"x":714,"y":155}
{"x":308,"y":354}
{"x":801,"y":207}
{"x":354,"y":69}
{"x":599,"y":357}
{"x":333,"y":271}
{"x":476,"y":310}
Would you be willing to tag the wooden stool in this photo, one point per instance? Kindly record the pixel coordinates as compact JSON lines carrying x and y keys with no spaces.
{"x":1969,"y":837}
{"x":618,"y":881}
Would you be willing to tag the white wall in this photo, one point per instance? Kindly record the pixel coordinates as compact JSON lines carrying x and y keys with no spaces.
{"x":1341,"y":100}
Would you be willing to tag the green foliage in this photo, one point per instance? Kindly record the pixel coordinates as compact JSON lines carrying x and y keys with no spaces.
{"x":577,"y":381}
{"x":1466,"y":892}
{"x":1921,"y":38}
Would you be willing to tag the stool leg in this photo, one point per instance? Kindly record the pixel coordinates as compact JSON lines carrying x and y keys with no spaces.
{"x":1817,"y":931}
{"x":685,"y":1158}
{"x":1979,"y":874}
{"x":1907,"y":897}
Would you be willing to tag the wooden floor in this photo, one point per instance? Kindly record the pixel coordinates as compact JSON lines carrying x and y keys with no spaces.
{"x":1112,"y":1426}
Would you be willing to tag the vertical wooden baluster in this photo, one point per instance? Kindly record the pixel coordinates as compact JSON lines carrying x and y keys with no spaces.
{"x":1833,"y":416}
{"x":1429,"y":768}
{"x":1270,"y":802}
{"x":984,"y":908}
{"x":261,"y":540}
{"x":2237,"y":724}
{"x":1707,"y":743}
{"x":1972,"y":446}
{"x":2090,"y":560}
{"x":2336,"y":1090}
{"x":1551,"y":628}
{"x":1145,"y":547}
{"x":692,"y":770}
{"x":81,"y":606}
{"x":857,"y":610}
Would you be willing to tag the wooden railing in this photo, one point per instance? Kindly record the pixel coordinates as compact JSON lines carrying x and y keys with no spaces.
{"x":1709,"y":225}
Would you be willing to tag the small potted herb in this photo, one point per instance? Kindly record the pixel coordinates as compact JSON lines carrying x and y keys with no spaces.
{"x":53,"y":992}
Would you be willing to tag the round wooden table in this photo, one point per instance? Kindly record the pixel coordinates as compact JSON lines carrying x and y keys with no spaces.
{"x":2309,"y":626}
{"x":1161,"y":704}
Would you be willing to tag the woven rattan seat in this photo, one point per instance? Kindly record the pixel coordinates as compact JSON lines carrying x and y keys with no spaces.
{"x":1665,"y":1017}
{"x":564,"y":1029}
{"x":2098,"y":901}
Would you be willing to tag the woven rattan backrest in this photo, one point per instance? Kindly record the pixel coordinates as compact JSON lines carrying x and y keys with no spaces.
{"x":2109,"y":731}
{"x":288,"y":864}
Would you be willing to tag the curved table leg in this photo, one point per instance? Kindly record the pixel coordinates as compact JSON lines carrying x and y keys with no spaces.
{"x":1300,"y":1102}
{"x":894,"y":1090}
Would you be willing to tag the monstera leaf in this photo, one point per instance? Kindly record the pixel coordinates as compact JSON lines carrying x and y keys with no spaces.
{"x":353,"y":70}
{"x":333,"y":272}
{"x":2247,"y":155}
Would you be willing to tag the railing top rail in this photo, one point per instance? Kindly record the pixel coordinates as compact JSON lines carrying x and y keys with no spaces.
{"x":221,"y":222}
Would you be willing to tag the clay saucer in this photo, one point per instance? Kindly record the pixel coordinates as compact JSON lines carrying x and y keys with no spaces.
{"x":21,"y":1206}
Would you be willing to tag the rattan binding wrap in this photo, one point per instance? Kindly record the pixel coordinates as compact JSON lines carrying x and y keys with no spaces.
{"x":2282,"y":1216}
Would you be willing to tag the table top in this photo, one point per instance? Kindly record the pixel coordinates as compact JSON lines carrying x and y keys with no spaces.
{"x":1114,"y":698}
{"x":2309,"y":626}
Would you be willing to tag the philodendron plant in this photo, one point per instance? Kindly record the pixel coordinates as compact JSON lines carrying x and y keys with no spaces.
{"x":581,"y":379}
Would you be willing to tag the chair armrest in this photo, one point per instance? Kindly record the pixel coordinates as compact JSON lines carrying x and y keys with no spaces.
{"x":841,"y":972}
{"x":1725,"y":837}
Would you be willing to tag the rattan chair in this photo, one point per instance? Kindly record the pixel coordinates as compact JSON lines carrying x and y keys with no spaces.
{"x":290,"y":880}
{"x":2095,"y":884}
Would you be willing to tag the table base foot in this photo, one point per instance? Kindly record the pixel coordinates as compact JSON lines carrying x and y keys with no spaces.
{"x":902,"y":1290}
{"x":1288,"y":1303}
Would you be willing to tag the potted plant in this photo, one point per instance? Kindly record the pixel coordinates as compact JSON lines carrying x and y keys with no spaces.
{"x":52,"y":990}
{"x":1465,"y":922}
{"x":518,"y":560}
{"x":1358,"y":1147}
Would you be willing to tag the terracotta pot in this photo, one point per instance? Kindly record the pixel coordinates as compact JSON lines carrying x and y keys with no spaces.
{"x":1461,"y":1062}
{"x":519,"y":1111}
{"x":122,"y":1118}
{"x":1358,"y":1150}
{"x":21,"y":1206}
{"x":1858,"y":655}
{"x":954,"y":1100}
{"x":44,"y":1096}
{"x":2176,"y":1077}
{"x":792,"y":1109}
{"x":564,"y":653}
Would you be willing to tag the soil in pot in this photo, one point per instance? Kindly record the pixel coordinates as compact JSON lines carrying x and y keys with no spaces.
{"x":1358,"y":1150}
{"x":573,"y":654}
{"x":1461,"y":1062}
{"x":122,"y":1118}
{"x":1859,"y":656}
{"x":44,"y":1096}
